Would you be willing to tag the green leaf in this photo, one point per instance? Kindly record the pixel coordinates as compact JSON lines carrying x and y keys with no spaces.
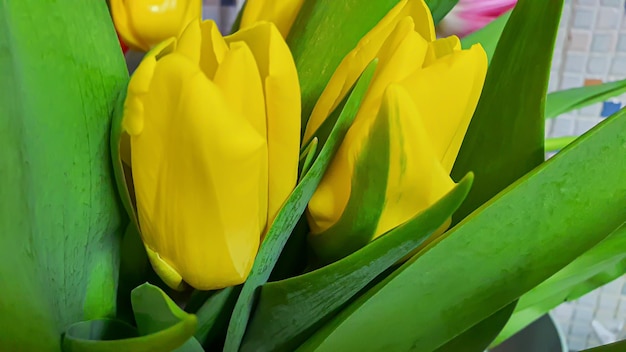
{"x":334,"y":28}
{"x":600,"y":265}
{"x":307,"y":157}
{"x":575,"y":98}
{"x":440,"y":8}
{"x":506,"y":135}
{"x":619,"y":346}
{"x":298,"y":305}
{"x":480,"y":336}
{"x":511,"y":244}
{"x":290,"y":213}
{"x":213,"y":315}
{"x":488,"y":36}
{"x":60,"y":220}
{"x":162,"y":326}
{"x":558,"y":143}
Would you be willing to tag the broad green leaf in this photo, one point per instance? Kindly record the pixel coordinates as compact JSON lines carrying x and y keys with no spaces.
{"x":60,"y":220}
{"x":162,"y":326}
{"x":511,"y":244}
{"x":619,"y":346}
{"x":488,"y":36}
{"x":506,"y":135}
{"x":575,"y":98}
{"x":290,"y":213}
{"x":480,"y":336}
{"x":600,"y":265}
{"x":334,"y":28}
{"x":298,"y":305}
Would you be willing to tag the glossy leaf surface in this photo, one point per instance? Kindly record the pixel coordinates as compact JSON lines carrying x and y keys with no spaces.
{"x":506,"y":135}
{"x":511,"y":244}
{"x":60,"y":219}
{"x":297,"y":305}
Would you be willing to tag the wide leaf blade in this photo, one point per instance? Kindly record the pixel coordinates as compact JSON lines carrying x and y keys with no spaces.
{"x":511,"y":244}
{"x":60,"y":218}
{"x":296,"y":306}
{"x":506,"y":135}
{"x":600,"y":265}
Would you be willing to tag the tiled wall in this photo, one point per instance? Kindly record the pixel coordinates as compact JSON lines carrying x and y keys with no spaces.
{"x":591,"y":49}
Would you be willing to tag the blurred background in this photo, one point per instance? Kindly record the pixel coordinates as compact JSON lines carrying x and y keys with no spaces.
{"x":590,"y":49}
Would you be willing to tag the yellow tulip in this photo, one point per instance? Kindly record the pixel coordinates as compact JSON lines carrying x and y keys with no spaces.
{"x":214,"y":129}
{"x":142,"y":24}
{"x":280,"y":12}
{"x":429,"y":89}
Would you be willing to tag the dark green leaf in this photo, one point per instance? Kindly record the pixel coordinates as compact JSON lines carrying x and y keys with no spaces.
{"x":213,"y":315}
{"x":487,"y":36}
{"x":506,"y":135}
{"x":298,"y":305}
{"x":290,"y":213}
{"x":162,"y":326}
{"x":61,"y":223}
{"x":517,"y":240}
{"x":600,"y":265}
{"x":571,"y":99}
{"x":480,"y":336}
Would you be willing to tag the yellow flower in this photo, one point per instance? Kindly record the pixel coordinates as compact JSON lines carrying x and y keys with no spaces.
{"x":214,"y":128}
{"x":143,"y":24}
{"x":280,"y":12}
{"x":428,"y":88}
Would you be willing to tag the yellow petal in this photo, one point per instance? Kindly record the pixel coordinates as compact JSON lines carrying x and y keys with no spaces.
{"x":197,"y":167}
{"x":280,"y":12}
{"x":416,"y":177}
{"x":203,"y":44}
{"x":446,"y":94}
{"x":139,"y":86}
{"x":333,"y":192}
{"x":123,"y":25}
{"x":282,"y":103}
{"x":152,"y":21}
{"x":366,"y":50}
{"x":440,"y":48}
{"x":401,"y":54}
{"x":239,"y":81}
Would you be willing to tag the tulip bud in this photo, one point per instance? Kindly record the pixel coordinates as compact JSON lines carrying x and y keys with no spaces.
{"x":142,"y":24}
{"x":469,"y":16}
{"x":428,"y":90}
{"x":280,"y":12}
{"x":214,"y":136}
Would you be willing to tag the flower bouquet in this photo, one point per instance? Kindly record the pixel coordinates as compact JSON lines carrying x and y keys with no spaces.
{"x":329,"y":177}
